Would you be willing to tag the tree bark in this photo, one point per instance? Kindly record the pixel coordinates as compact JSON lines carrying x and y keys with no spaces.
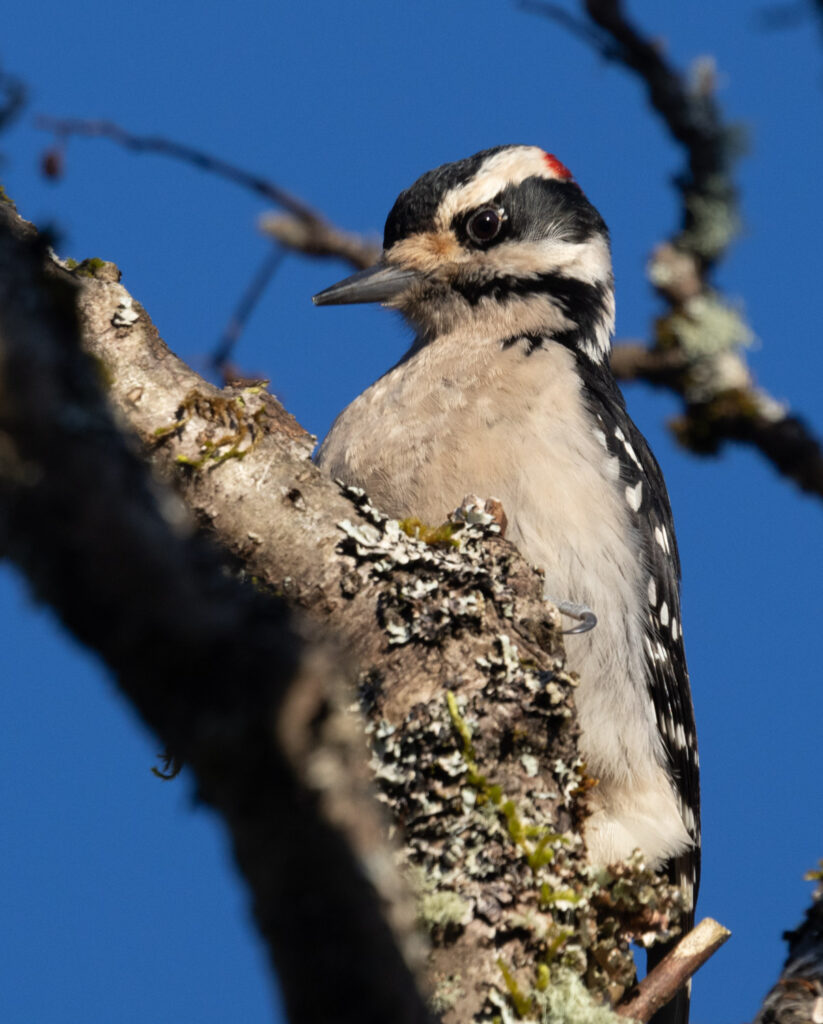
{"x":460,"y":675}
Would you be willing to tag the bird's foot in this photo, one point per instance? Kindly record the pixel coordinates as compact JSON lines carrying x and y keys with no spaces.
{"x":586,"y":619}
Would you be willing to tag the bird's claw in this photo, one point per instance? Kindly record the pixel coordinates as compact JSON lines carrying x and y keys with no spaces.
{"x":587,"y":620}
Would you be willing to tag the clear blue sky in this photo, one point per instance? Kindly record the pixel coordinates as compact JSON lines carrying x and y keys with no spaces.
{"x":119,"y":902}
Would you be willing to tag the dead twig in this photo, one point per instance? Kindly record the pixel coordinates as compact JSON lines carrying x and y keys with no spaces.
{"x":697,"y":350}
{"x":304,"y":230}
{"x":657,"y":988}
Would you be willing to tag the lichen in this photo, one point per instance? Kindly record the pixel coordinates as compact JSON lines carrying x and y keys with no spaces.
{"x":706,"y":325}
{"x":566,"y":1000}
{"x":487,"y":796}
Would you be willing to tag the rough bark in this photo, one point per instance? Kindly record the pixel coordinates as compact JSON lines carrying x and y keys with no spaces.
{"x":797,"y":997}
{"x":461,"y":680}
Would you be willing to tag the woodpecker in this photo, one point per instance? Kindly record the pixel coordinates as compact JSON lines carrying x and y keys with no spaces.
{"x":503,"y":269}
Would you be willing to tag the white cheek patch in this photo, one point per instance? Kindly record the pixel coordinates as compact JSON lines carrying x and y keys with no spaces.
{"x":588,"y":261}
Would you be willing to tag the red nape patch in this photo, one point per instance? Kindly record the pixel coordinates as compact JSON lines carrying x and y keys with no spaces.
{"x":556,"y":167}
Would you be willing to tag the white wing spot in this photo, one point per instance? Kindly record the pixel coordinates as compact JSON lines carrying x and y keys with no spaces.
{"x":662,"y":653}
{"x":652,"y":591}
{"x":618,"y":433}
{"x":632,"y":454}
{"x":634,"y":496}
{"x":688,"y":817}
{"x":680,"y":737}
{"x":658,"y":536}
{"x":649,"y":647}
{"x":674,"y":627}
{"x":664,"y":614}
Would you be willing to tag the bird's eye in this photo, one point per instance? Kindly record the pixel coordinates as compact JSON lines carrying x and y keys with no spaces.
{"x":485,"y":225}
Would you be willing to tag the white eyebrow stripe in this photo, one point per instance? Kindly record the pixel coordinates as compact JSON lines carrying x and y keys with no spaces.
{"x":508,"y":167}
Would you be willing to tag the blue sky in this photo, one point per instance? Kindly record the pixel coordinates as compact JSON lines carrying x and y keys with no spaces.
{"x":119,"y":900}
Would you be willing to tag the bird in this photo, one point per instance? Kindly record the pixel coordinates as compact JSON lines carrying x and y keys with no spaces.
{"x":502,"y":267}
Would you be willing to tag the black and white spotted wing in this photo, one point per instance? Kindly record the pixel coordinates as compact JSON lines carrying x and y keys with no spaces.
{"x":668,"y":679}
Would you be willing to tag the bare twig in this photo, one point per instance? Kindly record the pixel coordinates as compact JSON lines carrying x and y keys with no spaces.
{"x":65,"y":127}
{"x":697,"y":349}
{"x":689,"y":111}
{"x":245,"y":307}
{"x":657,"y":988}
{"x":319,"y":238}
{"x":304,"y":230}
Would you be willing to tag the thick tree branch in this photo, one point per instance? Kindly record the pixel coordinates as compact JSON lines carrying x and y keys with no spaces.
{"x":219,"y":672}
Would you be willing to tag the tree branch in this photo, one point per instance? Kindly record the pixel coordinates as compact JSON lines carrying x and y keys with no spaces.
{"x":697,"y":350}
{"x":461,"y":677}
{"x":229,"y":679}
{"x":302,"y":228}
{"x":674,"y":970}
{"x":797,"y":998}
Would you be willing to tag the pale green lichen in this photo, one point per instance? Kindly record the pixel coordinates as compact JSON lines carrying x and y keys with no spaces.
{"x":707,"y":326}
{"x":447,"y":993}
{"x":715,"y":225}
{"x":443,"y":908}
{"x":566,"y":1000}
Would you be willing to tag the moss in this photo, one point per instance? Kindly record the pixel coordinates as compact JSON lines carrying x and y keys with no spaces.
{"x":434,"y":535}
{"x":816,"y":874}
{"x":6,"y":199}
{"x":520,"y":834}
{"x":521,"y":1002}
{"x":243,"y":430}
{"x":95,"y":267}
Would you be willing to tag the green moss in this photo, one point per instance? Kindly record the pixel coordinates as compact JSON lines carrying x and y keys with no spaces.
{"x":549,"y":895}
{"x":6,"y":199}
{"x":460,"y":725}
{"x":434,"y":535}
{"x":244,"y":431}
{"x":816,"y":874}
{"x":521,"y":1002}
{"x":90,"y":267}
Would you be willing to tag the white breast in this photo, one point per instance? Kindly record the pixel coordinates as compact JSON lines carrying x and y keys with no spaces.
{"x":456,"y":419}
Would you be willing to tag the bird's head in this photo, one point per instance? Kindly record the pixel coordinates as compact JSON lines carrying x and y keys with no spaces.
{"x":503,"y":243}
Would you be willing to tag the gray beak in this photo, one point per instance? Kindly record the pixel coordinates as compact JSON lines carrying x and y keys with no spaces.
{"x":379,"y":283}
